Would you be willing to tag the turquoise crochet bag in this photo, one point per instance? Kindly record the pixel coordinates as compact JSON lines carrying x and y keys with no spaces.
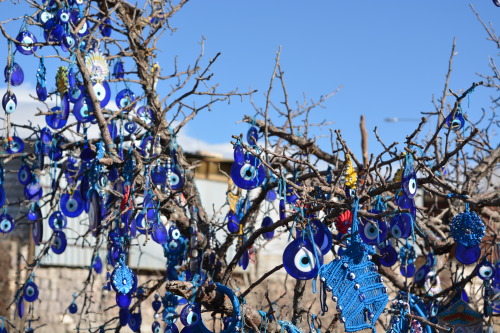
{"x":355,"y":283}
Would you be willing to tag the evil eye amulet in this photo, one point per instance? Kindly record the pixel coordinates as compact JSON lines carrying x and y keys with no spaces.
{"x":57,"y":221}
{"x":124,"y":98}
{"x":301,"y":260}
{"x":6,"y":223}
{"x":28,"y":38}
{"x":15,"y":146}
{"x":388,"y":256}
{"x":409,"y":182}
{"x":123,"y":280}
{"x":30,"y":291}
{"x":190,"y":315}
{"x":248,"y":175}
{"x":9,"y":102}
{"x":175,"y":179}
{"x":72,"y":205}
{"x":372,"y":232}
{"x":402,"y":225}
{"x":83,"y":110}
{"x":103,"y":92}
{"x":455,"y":121}
{"x":485,"y":270}
{"x":59,"y":242}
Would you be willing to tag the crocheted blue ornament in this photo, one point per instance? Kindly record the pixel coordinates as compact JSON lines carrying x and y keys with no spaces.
{"x":467,"y":228}
{"x":355,"y":283}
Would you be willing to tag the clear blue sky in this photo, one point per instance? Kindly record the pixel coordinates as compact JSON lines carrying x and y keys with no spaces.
{"x":390,"y":56}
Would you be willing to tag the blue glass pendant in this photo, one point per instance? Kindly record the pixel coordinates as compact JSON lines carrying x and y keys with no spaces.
{"x":46,"y":136}
{"x":68,"y":41}
{"x":249,"y":175}
{"x":44,"y":16}
{"x":97,"y":265}
{"x":159,"y":175}
{"x":15,"y":146}
{"x":20,"y":307}
{"x":467,"y":255}
{"x":244,"y":260}
{"x":16,"y":74}
{"x":160,"y":234}
{"x":408,"y":270}
{"x":282,"y":209}
{"x":9,"y":102}
{"x":135,"y":322}
{"x":6,"y":223}
{"x":409,"y":178}
{"x":28,"y":38}
{"x":30,"y":291}
{"x":119,"y":70}
{"x":24,"y":174}
{"x":75,"y":93}
{"x":83,"y":110}
{"x":252,"y":136}
{"x":145,"y":114}
{"x":73,"y":308}
{"x":421,"y":275}
{"x":105,"y":27}
{"x":233,"y":223}
{"x":71,"y":205}
{"x":84,"y":30}
{"x":103,"y":92}
{"x":37,"y":231}
{"x":131,"y":127}
{"x":3,"y":196}
{"x":123,"y":300}
{"x":34,"y":213}
{"x":113,"y":129}
{"x":239,"y":154}
{"x":266,"y":222}
{"x":63,"y":15}
{"x":402,"y":225}
{"x":388,"y":256}
{"x":59,"y":242}
{"x":56,"y":120}
{"x":373,"y":231}
{"x":321,"y":235}
{"x":171,"y":328}
{"x":403,"y":201}
{"x":156,"y":327}
{"x":190,"y":315}
{"x":124,"y":98}
{"x":175,"y":180}
{"x":271,"y":195}
{"x":87,"y":154}
{"x":95,"y":212}
{"x":301,"y":260}
{"x":455,"y":121}
{"x":124,"y":316}
{"x":33,"y":191}
{"x":57,"y":221}
{"x":123,"y":279}
{"x":65,"y":106}
{"x":485,"y":270}
{"x":41,"y":91}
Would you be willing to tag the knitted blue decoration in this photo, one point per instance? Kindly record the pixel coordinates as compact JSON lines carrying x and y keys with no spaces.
{"x":467,"y":228}
{"x":355,"y":283}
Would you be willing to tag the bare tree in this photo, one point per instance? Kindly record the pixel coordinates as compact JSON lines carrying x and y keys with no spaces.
{"x":134,"y":175}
